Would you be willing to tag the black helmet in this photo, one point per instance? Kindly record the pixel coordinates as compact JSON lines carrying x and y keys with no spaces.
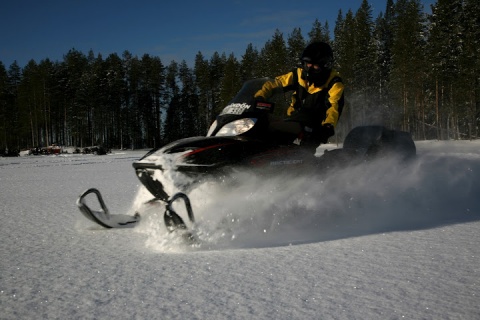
{"x":318,"y":53}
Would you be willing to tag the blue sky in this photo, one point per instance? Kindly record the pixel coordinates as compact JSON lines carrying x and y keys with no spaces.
{"x":171,"y":30}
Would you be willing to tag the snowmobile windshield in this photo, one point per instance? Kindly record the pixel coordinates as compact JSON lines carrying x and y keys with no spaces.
{"x":245,"y":97}
{"x":248,"y":90}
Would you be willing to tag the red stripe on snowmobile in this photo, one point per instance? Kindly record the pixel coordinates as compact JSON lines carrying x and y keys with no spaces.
{"x":206,"y":148}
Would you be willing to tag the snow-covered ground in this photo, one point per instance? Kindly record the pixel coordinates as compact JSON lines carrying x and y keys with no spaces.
{"x":378,"y":242}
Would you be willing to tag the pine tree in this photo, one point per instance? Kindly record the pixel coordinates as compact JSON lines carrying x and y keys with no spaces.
{"x":3,"y":107}
{"x":73,"y":66}
{"x":173,"y":119}
{"x":383,"y":35}
{"x":52,"y":115}
{"x":469,"y":65}
{"x":115,"y":99}
{"x":231,"y":83}
{"x":295,"y":46}
{"x":319,"y":32}
{"x":408,"y":54}
{"x":12,"y":115}
{"x":344,"y":47}
{"x":88,"y":100}
{"x":30,"y":128}
{"x":154,"y":82}
{"x":363,"y":70}
{"x":249,"y":64}
{"x":217,"y":69}
{"x":444,"y":51}
{"x":188,"y":102}
{"x":203,"y":83}
{"x":344,"y":54}
{"x":132,"y":116}
{"x":274,"y":56}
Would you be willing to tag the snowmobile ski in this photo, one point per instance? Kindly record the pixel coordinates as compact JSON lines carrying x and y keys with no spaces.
{"x":175,"y":223}
{"x":172,"y":219}
{"x":103,"y":216}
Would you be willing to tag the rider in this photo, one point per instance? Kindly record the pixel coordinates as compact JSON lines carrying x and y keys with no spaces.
{"x":317,"y":101}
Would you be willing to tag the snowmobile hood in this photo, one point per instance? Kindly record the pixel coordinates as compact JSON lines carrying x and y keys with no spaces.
{"x":194,"y":151}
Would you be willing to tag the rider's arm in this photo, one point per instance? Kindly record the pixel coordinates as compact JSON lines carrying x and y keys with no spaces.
{"x":335,"y":100}
{"x":280,"y":82}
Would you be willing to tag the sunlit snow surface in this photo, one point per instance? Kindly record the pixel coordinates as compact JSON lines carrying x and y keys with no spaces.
{"x":380,"y":241}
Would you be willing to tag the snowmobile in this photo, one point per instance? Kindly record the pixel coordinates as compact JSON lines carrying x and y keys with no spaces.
{"x":241,"y":138}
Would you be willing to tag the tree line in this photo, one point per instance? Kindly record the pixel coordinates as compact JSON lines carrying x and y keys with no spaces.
{"x":405,"y":69}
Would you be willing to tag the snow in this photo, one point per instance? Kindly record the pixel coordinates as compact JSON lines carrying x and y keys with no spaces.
{"x":381,"y":241}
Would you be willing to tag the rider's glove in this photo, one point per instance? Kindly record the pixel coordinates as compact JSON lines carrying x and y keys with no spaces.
{"x":290,"y":111}
{"x":256,"y":100}
{"x":259,"y":99}
{"x":324,"y":132}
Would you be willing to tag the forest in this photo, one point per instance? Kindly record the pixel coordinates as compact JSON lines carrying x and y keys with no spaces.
{"x":406,"y":69}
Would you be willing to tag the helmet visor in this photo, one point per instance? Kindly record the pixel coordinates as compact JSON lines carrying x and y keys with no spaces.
{"x":316,"y":66}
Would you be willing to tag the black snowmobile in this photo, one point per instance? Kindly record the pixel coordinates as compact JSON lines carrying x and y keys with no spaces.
{"x":241,"y":138}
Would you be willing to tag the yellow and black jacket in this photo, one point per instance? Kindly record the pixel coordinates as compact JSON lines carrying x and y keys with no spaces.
{"x":311,"y":104}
